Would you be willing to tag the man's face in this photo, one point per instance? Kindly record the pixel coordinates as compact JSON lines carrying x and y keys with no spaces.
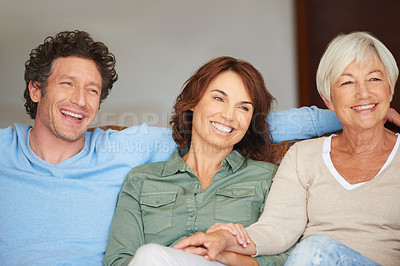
{"x":71,"y":99}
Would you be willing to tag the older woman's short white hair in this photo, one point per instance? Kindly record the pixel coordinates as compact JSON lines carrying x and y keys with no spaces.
{"x":344,"y":49}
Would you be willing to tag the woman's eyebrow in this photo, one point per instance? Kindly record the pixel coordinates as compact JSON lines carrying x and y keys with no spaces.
{"x":375,"y":71}
{"x":225,"y":94}
{"x":220,"y":91}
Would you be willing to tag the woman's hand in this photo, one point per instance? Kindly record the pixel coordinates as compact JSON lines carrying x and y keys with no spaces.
{"x":208,"y":245}
{"x":225,"y":257}
{"x":234,"y":259}
{"x":237,"y":230}
{"x":212,"y":244}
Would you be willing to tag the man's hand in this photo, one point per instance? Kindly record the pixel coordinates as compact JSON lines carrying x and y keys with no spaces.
{"x":393,"y":116}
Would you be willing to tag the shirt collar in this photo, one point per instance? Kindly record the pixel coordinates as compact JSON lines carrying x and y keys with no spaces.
{"x":175,"y":164}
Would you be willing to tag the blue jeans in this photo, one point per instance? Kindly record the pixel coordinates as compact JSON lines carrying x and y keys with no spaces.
{"x":322,"y":250}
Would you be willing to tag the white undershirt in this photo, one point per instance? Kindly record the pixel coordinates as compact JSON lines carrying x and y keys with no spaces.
{"x":326,"y":155}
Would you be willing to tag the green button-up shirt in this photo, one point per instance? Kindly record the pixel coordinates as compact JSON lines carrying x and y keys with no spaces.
{"x":164,"y":202}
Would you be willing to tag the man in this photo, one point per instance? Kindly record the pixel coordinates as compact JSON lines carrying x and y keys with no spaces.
{"x":59,"y":183}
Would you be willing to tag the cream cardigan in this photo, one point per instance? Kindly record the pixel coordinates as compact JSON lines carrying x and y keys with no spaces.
{"x":305,"y":200}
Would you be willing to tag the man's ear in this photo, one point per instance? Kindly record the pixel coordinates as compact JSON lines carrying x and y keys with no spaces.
{"x":327,"y":103}
{"x":34,"y":91}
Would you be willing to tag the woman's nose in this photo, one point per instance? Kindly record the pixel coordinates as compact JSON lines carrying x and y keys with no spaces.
{"x":228,"y":112}
{"x":363,"y":91}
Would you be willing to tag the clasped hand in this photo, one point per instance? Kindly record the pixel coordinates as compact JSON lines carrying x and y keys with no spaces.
{"x":220,"y":242}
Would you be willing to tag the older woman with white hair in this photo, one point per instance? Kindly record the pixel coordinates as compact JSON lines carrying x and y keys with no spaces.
{"x":340,"y":195}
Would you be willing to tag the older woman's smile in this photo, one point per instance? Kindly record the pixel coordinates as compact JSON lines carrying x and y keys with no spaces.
{"x":364,"y":107}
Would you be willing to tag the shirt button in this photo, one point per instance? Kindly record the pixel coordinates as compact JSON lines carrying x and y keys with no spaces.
{"x":192,"y":214}
{"x":234,"y":193}
{"x":158,"y":200}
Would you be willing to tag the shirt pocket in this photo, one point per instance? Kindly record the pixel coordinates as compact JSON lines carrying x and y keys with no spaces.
{"x":157,"y":209}
{"x":233,"y":204}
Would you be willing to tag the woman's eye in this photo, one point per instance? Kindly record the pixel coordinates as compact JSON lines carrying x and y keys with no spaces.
{"x":346,"y":83}
{"x":66,"y":83}
{"x":217,"y":98}
{"x":375,"y":79}
{"x":244,"y":108}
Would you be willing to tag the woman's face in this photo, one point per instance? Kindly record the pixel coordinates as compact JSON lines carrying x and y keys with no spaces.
{"x":361,"y":96}
{"x":223,"y":114}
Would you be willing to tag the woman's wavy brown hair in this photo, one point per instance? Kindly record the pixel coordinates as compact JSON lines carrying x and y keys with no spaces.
{"x":256,"y":143}
{"x":67,"y":43}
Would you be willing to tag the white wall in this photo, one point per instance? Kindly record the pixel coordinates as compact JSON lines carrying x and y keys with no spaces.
{"x":158,"y":44}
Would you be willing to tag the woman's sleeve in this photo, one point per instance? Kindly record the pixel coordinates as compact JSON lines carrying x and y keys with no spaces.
{"x":272,"y":260}
{"x":302,"y":123}
{"x":126,"y":234}
{"x":284,"y":218}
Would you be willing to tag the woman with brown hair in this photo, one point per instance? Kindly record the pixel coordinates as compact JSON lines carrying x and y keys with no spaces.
{"x":219,"y":173}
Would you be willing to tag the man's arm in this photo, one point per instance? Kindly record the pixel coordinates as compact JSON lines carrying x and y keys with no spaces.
{"x":302,"y":123}
{"x":309,"y":122}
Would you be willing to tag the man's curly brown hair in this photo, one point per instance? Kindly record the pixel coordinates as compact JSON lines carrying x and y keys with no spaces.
{"x":67,"y":43}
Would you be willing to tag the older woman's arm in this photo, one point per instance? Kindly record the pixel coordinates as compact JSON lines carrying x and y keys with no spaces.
{"x":235,"y":259}
{"x":285,"y":214}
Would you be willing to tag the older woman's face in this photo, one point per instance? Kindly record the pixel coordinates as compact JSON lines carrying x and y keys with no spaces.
{"x":361,"y":96}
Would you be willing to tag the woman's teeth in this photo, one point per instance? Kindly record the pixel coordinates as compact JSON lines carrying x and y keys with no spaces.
{"x":222,"y":128}
{"x":363,"y":107}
